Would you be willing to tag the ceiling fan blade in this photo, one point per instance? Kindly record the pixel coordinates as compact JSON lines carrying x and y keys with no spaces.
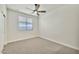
{"x":42,"y":11}
{"x":37,"y":7}
{"x":37,"y":13}
{"x":29,"y":8}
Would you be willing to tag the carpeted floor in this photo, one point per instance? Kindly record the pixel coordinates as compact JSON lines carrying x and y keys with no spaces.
{"x":37,"y":46}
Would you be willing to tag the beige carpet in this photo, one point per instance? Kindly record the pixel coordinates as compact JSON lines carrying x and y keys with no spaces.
{"x":37,"y":46}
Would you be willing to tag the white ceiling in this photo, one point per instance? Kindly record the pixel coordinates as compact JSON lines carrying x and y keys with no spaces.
{"x":26,"y":8}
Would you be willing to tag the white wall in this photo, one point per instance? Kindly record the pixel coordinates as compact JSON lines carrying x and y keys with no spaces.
{"x":1,"y":31}
{"x":5,"y":23}
{"x":61,"y":25}
{"x":2,"y":26}
{"x":13,"y":33}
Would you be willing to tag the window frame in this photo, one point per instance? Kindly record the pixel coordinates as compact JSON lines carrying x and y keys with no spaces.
{"x":27,"y":18}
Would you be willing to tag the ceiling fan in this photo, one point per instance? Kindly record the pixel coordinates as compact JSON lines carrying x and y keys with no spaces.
{"x":36,"y":10}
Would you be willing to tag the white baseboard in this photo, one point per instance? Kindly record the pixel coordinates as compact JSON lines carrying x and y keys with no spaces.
{"x":67,"y":45}
{"x":20,"y":39}
{"x":46,"y":39}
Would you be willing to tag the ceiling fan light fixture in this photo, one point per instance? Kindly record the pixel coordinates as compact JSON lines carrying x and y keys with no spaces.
{"x":36,"y":11}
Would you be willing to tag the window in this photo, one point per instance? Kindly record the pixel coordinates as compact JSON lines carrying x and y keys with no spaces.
{"x":24,"y":23}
